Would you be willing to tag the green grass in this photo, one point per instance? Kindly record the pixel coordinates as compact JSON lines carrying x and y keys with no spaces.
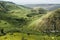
{"x":22,"y":36}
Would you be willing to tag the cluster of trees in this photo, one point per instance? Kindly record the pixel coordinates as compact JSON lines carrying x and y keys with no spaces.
{"x":41,"y":11}
{"x":38,"y":11}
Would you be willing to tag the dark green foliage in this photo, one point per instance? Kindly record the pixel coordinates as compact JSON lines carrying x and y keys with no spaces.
{"x":2,"y":32}
{"x":35,"y":12}
{"x":28,"y":33}
{"x":42,"y":11}
{"x":31,"y":14}
{"x":5,"y":23}
{"x":13,"y":31}
{"x":18,"y":22}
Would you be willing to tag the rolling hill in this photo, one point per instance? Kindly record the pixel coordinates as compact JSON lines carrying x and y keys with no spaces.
{"x":18,"y":22}
{"x":13,"y":18}
{"x":49,"y":22}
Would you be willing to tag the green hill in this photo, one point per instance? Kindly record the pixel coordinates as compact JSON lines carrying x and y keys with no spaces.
{"x":15,"y":17}
{"x":12,"y":15}
{"x":47,"y":23}
{"x":18,"y":22}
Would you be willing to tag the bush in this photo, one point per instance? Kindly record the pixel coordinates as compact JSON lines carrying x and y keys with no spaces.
{"x":42,"y":11}
{"x":31,"y":14}
{"x":2,"y":32}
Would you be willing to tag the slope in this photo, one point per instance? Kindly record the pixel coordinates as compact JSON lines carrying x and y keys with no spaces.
{"x":50,"y":22}
{"x":12,"y":16}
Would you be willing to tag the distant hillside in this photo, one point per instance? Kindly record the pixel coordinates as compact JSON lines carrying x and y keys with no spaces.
{"x":46,"y":6}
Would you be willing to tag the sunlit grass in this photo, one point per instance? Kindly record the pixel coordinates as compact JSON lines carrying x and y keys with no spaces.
{"x":22,"y":36}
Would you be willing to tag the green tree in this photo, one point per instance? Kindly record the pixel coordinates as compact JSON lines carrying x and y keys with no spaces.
{"x":42,"y":11}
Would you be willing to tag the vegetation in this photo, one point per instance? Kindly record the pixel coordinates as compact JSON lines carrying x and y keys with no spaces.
{"x":18,"y":22}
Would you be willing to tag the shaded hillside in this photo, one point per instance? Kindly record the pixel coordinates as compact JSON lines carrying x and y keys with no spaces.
{"x":12,"y":16}
{"x":10,"y":11}
{"x":49,"y":22}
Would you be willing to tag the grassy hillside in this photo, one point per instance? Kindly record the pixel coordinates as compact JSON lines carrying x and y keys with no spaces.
{"x":49,"y":22}
{"x":14,"y":17}
{"x":18,"y":22}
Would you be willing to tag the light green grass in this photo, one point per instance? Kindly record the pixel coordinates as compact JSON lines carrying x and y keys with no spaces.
{"x":22,"y":36}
